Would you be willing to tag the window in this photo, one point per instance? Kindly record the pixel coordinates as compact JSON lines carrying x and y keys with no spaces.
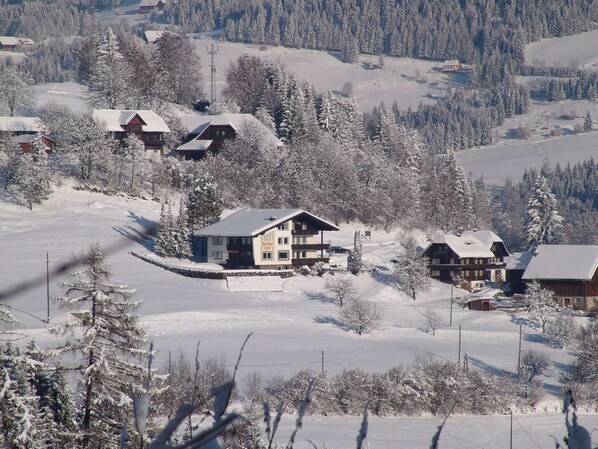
{"x":436,"y":273}
{"x":299,"y":254}
{"x":267,"y":255}
{"x":283,"y":255}
{"x":220,"y":133}
{"x":135,"y":127}
{"x":217,"y":255}
{"x":218,"y":241}
{"x":283,"y":240}
{"x":435,"y":261}
{"x":284,"y":226}
{"x":246,"y":240}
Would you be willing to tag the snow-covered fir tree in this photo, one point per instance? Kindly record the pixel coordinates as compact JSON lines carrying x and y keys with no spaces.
{"x":32,"y":177}
{"x":165,"y":245}
{"x":182,"y":234}
{"x":107,"y":346}
{"x":133,"y":153}
{"x":15,"y":89}
{"x":544,"y":220}
{"x":354,"y":257}
{"x":110,"y":75}
{"x":204,"y":205}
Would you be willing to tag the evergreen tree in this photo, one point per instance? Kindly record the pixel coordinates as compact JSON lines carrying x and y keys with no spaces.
{"x":32,"y":178}
{"x":544,"y":219}
{"x":15,"y":90}
{"x":110,"y":75}
{"x":204,"y":205}
{"x":182,"y":234}
{"x":587,"y":123}
{"x":354,"y":261}
{"x":166,"y":244}
{"x":109,"y":347}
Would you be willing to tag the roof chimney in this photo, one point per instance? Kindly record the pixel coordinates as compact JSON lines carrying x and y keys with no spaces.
{"x":272,"y":218}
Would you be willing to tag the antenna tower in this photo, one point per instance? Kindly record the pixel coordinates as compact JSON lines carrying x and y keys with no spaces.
{"x":212,"y":50}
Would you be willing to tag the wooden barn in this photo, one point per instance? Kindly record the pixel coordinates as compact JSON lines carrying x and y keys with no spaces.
{"x":570,"y":271}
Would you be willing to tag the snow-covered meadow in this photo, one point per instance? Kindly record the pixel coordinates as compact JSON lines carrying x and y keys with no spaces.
{"x":291,"y":328}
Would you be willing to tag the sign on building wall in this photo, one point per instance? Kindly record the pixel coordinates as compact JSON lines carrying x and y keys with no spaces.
{"x":268,"y":241}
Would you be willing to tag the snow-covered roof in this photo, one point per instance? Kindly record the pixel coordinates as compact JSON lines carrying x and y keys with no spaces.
{"x":252,"y":222}
{"x":150,"y":3}
{"x":519,"y":261}
{"x":153,"y":36}
{"x":115,"y":120}
{"x":563,"y":262}
{"x":469,"y":242}
{"x":195,"y":145}
{"x":21,"y":124}
{"x":8,"y":40}
{"x":197,"y":124}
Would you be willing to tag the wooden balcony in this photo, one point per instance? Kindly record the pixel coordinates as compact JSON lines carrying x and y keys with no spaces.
{"x":305,"y":232}
{"x":310,"y":247}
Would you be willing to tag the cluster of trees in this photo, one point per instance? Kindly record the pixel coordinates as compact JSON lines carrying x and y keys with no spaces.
{"x":37,"y":404}
{"x":40,"y":19}
{"x":582,"y":87}
{"x":490,"y":33}
{"x":570,"y":191}
{"x":428,"y":387}
{"x":124,"y":73}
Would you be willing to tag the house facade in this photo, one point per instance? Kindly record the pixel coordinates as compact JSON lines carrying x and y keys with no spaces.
{"x":23,"y":130}
{"x":473,"y":255}
{"x":570,"y":271}
{"x":146,"y":125}
{"x":207,"y":133}
{"x":11,"y":43}
{"x":264,"y":239}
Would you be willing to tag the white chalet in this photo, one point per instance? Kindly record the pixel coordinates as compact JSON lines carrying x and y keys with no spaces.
{"x":264,"y":239}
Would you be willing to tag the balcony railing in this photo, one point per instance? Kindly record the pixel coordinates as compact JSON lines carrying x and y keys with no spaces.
{"x":309,"y":260}
{"x":310,"y":246}
{"x":304,"y":232}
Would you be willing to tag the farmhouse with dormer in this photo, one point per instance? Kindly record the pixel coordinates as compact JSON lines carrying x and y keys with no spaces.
{"x":265,"y":239}
{"x":148,"y":126}
{"x":473,"y":255}
{"x":206,"y":133}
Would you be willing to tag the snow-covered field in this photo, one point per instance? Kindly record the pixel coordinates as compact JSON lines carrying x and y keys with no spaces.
{"x":395,"y":82}
{"x":291,"y":328}
{"x":564,"y":51}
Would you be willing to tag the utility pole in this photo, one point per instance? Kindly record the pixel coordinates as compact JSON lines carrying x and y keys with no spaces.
{"x":459,"y":357}
{"x":212,"y":50}
{"x":451,"y":316}
{"x":519,"y":355}
{"x":48,"y":286}
{"x":511,"y":438}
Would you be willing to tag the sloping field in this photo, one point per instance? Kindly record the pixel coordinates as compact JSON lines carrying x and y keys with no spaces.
{"x":578,"y":49}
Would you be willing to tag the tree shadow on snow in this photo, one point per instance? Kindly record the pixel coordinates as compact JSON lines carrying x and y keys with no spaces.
{"x":9,"y":197}
{"x":150,"y":226}
{"x":318,"y":296}
{"x":479,"y":363}
{"x":383,"y":275}
{"x":133,"y":234}
{"x":516,"y":319}
{"x":542,"y":339}
{"x":330,"y":320}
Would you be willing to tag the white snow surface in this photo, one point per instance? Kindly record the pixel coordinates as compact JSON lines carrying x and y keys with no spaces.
{"x":290,"y":328}
{"x":565,"y":51}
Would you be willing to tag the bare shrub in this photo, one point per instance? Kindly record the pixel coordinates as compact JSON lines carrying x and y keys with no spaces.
{"x":342,"y":288}
{"x":361,"y":316}
{"x":433,"y":321}
{"x":535,"y":364}
{"x":522,"y":132}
